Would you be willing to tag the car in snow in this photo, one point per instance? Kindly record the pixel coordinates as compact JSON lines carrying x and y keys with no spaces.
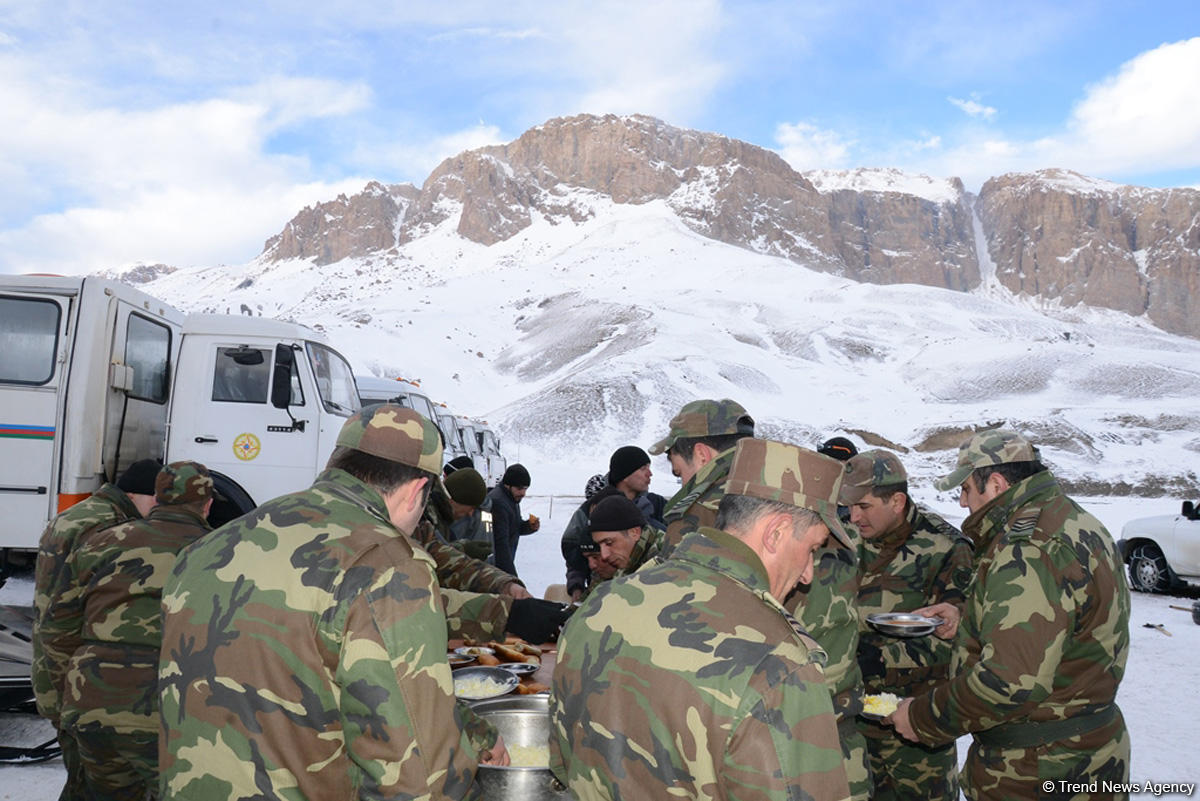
{"x":1163,"y":551}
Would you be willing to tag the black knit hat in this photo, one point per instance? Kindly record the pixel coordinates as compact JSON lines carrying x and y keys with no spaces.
{"x":139,"y":477}
{"x":515,"y":476}
{"x":839,"y":448}
{"x":624,"y":461}
{"x":466,"y":486}
{"x":457,"y":463}
{"x":617,"y":513}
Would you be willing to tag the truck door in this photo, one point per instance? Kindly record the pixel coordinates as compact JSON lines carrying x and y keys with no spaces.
{"x":33,"y":336}
{"x":234,"y":429}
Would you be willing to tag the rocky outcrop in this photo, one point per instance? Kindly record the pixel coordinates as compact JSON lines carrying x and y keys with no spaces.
{"x":139,"y":273}
{"x":1053,"y":234}
{"x":1062,"y":236}
{"x":345,"y":226}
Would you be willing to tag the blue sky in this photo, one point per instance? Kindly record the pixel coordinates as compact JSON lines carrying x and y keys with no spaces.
{"x":190,"y":133}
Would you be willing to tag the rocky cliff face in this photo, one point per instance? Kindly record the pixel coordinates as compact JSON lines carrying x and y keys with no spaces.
{"x":1053,"y":234}
{"x":1059,"y":235}
{"x":354,"y":226}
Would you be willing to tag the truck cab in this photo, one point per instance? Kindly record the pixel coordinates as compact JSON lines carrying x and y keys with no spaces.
{"x":260,"y":402}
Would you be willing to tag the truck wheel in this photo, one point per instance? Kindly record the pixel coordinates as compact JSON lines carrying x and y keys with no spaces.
{"x":1148,"y":569}
{"x":235,"y":501}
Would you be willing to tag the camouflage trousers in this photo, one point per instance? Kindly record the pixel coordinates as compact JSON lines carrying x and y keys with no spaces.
{"x":118,"y":767}
{"x":76,"y":787}
{"x":1023,"y":774}
{"x":905,"y":771}
{"x":854,"y":755}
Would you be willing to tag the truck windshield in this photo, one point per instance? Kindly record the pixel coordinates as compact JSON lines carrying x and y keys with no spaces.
{"x":335,"y":380}
{"x":28,"y":340}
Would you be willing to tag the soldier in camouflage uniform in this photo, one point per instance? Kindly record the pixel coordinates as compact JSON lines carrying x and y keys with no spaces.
{"x":481,"y":601}
{"x":688,"y":678}
{"x":619,"y":529}
{"x":910,"y":558}
{"x":699,"y":446}
{"x":1042,"y":642}
{"x":110,"y":699}
{"x":130,"y":498}
{"x":827,"y":607}
{"x":304,"y":644}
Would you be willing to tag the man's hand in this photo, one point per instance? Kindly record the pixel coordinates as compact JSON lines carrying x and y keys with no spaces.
{"x":537,"y":621}
{"x":497,"y":755}
{"x":534,"y":523}
{"x":515,"y":589}
{"x":948,"y":613}
{"x":900,"y":720}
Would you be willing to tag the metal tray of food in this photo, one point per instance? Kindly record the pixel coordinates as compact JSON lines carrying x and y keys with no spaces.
{"x":904,"y":624}
{"x":478,"y":683}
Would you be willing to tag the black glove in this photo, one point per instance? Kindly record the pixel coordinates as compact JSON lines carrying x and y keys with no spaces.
{"x":476,"y":549}
{"x":537,"y":621}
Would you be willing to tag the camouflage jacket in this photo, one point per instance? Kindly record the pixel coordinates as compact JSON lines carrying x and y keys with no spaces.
{"x":53,"y":641}
{"x":924,"y":561}
{"x":1045,"y":632}
{"x":304,"y":656}
{"x":688,"y":679}
{"x":696,"y":503}
{"x":472,"y":590}
{"x":828,"y":610}
{"x":121,"y":570}
{"x":645,"y":550}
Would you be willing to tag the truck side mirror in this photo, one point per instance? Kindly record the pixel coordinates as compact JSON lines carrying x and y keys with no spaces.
{"x":1188,"y":510}
{"x":281,"y":380}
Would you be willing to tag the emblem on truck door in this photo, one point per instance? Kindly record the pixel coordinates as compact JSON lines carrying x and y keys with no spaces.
{"x":246,"y":446}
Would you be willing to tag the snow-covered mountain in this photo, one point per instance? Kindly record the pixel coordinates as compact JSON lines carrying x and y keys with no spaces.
{"x":577,"y":335}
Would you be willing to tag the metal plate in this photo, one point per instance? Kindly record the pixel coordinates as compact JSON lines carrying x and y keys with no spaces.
{"x":474,"y":650}
{"x":458,"y":660}
{"x":507,"y":681}
{"x":904,"y":624}
{"x":520,"y":668}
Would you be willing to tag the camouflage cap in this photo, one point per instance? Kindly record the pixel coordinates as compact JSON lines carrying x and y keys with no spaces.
{"x":869,"y":469}
{"x":777,"y":471}
{"x":183,"y":482}
{"x":706,"y":418}
{"x":986,"y":448}
{"x":394,"y":433}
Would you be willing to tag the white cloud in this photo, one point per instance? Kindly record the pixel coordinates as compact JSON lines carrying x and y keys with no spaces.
{"x":973,"y":108}
{"x":807,"y":147}
{"x":1147,"y":116}
{"x":420,"y":158}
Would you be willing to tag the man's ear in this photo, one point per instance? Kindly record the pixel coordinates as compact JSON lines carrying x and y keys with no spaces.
{"x":635,"y":532}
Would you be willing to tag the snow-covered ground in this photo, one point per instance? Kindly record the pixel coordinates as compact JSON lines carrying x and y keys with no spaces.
{"x":1158,"y":697}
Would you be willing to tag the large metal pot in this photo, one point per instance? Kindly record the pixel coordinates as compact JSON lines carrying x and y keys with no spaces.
{"x":521,"y":720}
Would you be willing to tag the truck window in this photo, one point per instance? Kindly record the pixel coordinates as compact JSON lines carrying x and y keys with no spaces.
{"x":28,"y":340}
{"x":148,"y":351}
{"x":241,"y":379}
{"x":335,"y":380}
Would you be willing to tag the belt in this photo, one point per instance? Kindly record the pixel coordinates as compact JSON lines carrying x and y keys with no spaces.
{"x":1034,"y":733}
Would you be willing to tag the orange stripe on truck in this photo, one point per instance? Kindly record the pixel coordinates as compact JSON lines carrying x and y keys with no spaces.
{"x":66,"y":501}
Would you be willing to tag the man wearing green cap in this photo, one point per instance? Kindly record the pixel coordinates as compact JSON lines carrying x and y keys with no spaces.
{"x":110,"y":701}
{"x":723,"y":696}
{"x":699,"y":446}
{"x":910,"y":558}
{"x":304,"y":644}
{"x":1041,"y":645}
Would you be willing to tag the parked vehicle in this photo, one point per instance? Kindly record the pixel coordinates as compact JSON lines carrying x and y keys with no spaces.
{"x":1163,"y":551}
{"x":95,"y":375}
{"x":397,"y":390}
{"x":456,"y":444}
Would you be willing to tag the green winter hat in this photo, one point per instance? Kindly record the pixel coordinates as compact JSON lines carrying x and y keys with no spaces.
{"x":987,"y":448}
{"x":706,"y":418}
{"x":466,"y":486}
{"x":183,"y":482}
{"x":394,"y":433}
{"x":777,"y":471}
{"x":867,"y":470}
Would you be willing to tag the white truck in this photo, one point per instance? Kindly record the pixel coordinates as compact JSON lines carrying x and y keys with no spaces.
{"x":95,"y":375}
